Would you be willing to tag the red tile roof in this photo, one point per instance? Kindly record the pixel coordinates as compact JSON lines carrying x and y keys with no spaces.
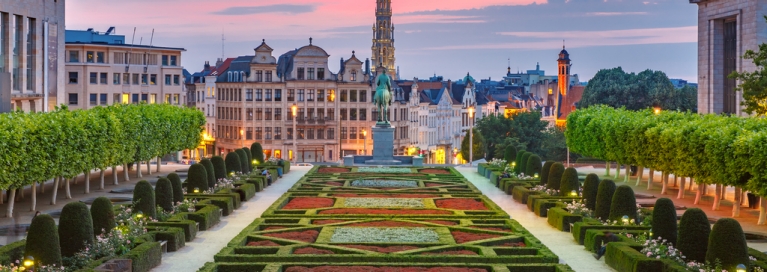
{"x":574,"y":95}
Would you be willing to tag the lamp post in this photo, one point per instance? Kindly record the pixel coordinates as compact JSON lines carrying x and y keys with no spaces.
{"x":294,"y":110}
{"x":365,"y":142}
{"x":471,"y":135}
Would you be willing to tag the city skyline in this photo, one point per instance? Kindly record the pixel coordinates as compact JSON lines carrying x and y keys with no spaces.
{"x":448,"y":39}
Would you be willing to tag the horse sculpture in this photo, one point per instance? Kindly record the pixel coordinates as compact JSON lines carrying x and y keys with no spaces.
{"x":382,"y":98}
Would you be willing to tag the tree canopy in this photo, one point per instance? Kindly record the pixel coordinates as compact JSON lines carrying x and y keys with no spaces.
{"x":616,"y":88}
{"x":526,"y":127}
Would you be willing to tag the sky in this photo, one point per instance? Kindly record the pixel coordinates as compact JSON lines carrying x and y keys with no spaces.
{"x":447,"y":38}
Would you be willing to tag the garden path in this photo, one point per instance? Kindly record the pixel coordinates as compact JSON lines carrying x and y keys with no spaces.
{"x":561,"y":243}
{"x":196,"y":253}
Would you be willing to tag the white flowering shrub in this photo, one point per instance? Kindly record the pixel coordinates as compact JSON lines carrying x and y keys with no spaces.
{"x":544,"y":190}
{"x":578,"y":208}
{"x":385,"y":183}
{"x":498,"y":163}
{"x":384,"y":202}
{"x":384,"y":235}
{"x":660,"y":248}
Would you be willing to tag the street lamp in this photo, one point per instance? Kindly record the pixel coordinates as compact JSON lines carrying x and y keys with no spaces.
{"x":471,"y":135}
{"x":294,"y":110}
{"x":365,"y":142}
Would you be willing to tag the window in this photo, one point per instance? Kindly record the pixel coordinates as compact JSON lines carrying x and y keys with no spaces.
{"x":278,"y":133}
{"x":103,"y":99}
{"x":135,"y":79}
{"x":116,"y":78}
{"x":363,"y":114}
{"x":164,"y":60}
{"x":90,"y":57}
{"x":73,"y":99}
{"x":331,"y":114}
{"x":268,"y":131}
{"x":343,"y":96}
{"x":343,"y":133}
{"x":300,"y":95}
{"x":268,"y":96}
{"x":176,"y":99}
{"x":259,"y":114}
{"x":310,"y":133}
{"x":291,"y":95}
{"x":144,"y":98}
{"x":176,"y":79}
{"x":301,"y":113}
{"x":126,"y":79}
{"x":103,"y":78}
{"x":321,"y":73}
{"x":249,"y":114}
{"x":268,"y":76}
{"x":321,"y":114}
{"x":167,"y":99}
{"x":259,"y":95}
{"x":74,"y":56}
{"x":268,"y":112}
{"x":72,"y":77}
{"x":167,"y":79}
{"x":311,"y":113}
{"x":354,"y":75}
{"x":301,"y":134}
{"x":363,"y":96}
{"x":320,"y":95}
{"x":290,"y":133}
{"x":248,"y":94}
{"x":93,"y":99}
{"x":310,"y":74}
{"x":300,"y":73}
{"x":343,"y":114}
{"x":153,"y":79}
{"x":249,"y":133}
{"x":259,"y":133}
{"x":31,"y":56}
{"x":144,"y":79}
{"x":309,"y":95}
{"x":277,"y":114}
{"x":320,"y":133}
{"x":277,"y":95}
{"x":100,"y":57}
{"x":259,"y":76}
{"x":134,"y":98}
{"x":331,"y":133}
{"x":94,"y":78}
{"x":331,"y":95}
{"x":153,"y":99}
{"x":353,"y":114}
{"x":173,"y":60}
{"x":353,"y":133}
{"x":16,"y":51}
{"x":353,"y":96}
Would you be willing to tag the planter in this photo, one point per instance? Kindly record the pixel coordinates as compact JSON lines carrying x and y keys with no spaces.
{"x":174,"y":237}
{"x":145,"y":256}
{"x":580,"y":228}
{"x":246,"y":190}
{"x":207,"y":215}
{"x":622,"y":257}
{"x":521,"y":193}
{"x":188,"y":227}
{"x":115,"y":265}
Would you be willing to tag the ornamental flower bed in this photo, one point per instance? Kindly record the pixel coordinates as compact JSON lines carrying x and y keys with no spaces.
{"x":384,"y":202}
{"x":512,"y":244}
{"x":433,"y":171}
{"x":382,"y":249}
{"x":327,"y":221}
{"x":504,"y":229}
{"x":385,"y":224}
{"x":387,"y":170}
{"x":442,"y":222}
{"x":263,"y":243}
{"x":465,"y":237}
{"x":334,"y":183}
{"x":429,"y":184}
{"x":303,"y":203}
{"x":451,"y":252}
{"x":333,"y":170}
{"x":385,"y":183}
{"x":384,"y":235}
{"x":311,"y":250}
{"x":331,"y":268}
{"x":387,"y":195}
{"x":382,"y":211}
{"x":461,"y":204}
{"x":308,"y":236}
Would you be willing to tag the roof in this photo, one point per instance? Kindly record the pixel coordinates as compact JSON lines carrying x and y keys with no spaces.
{"x":240,"y":64}
{"x":570,"y":101}
{"x":264,"y":47}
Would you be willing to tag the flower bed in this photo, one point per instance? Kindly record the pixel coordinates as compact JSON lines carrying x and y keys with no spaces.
{"x":334,"y":183}
{"x":451,"y":252}
{"x":386,"y":196}
{"x":308,"y":236}
{"x":465,"y":237}
{"x":461,"y":204}
{"x":442,"y":222}
{"x":303,"y":203}
{"x":331,"y":268}
{"x":429,"y":184}
{"x":311,"y":250}
{"x":385,"y":224}
{"x":381,"y":211}
{"x":333,"y":170}
{"x":387,"y":170}
{"x":384,"y":202}
{"x":327,"y":221}
{"x":263,"y":243}
{"x":433,"y":171}
{"x":275,"y":228}
{"x":382,"y":249}
{"x":385,"y":183}
{"x":384,"y":235}
{"x":512,"y":244}
{"x":504,"y":229}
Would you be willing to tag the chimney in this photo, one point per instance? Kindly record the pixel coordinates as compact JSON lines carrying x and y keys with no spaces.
{"x":219,"y":62}
{"x":207,"y":66}
{"x":367,"y":66}
{"x":449,"y":85}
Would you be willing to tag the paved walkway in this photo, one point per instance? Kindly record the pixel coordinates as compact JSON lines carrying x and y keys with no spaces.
{"x":208,"y":243}
{"x":561,"y":243}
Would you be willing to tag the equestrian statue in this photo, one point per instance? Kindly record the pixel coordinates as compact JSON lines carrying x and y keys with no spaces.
{"x":383,"y":98}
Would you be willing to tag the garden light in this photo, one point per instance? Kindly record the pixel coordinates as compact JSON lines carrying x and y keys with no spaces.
{"x":535,"y":175}
{"x":513,"y":164}
{"x":625,"y":219}
{"x":196,"y":190}
{"x":231,"y":174}
{"x":140,"y":215}
{"x":29,"y":261}
{"x":650,"y":232}
{"x":255,"y":162}
{"x":741,"y":268}
{"x":574,"y":193}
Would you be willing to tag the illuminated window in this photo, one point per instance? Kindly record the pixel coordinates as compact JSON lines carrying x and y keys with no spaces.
{"x":550,"y":91}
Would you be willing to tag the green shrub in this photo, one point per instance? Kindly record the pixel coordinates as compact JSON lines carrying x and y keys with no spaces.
{"x":233,"y":164}
{"x":623,"y":203}
{"x":175,"y":182}
{"x":103,"y":216}
{"x":210,"y":171}
{"x":694,"y":230}
{"x":727,"y":244}
{"x":143,"y":199}
{"x":198,"y":178}
{"x":510,"y":154}
{"x":43,"y":241}
{"x":75,"y":228}
{"x":257,"y":152}
{"x":250,"y":158}
{"x":605,"y":193}
{"x":518,"y":161}
{"x":523,"y":162}
{"x":664,"y":220}
{"x":569,"y":182}
{"x":555,"y":176}
{"x":590,"y":188}
{"x":163,"y":194}
{"x":243,"y":160}
{"x":545,"y":172}
{"x":533,"y":166}
{"x":219,"y":167}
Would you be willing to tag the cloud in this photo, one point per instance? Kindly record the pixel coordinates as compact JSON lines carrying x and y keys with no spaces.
{"x":615,"y":13}
{"x":437,"y":19}
{"x":281,"y":8}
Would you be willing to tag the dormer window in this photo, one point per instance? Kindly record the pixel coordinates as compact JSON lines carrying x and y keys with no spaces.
{"x":354,"y":75}
{"x":229,"y":76}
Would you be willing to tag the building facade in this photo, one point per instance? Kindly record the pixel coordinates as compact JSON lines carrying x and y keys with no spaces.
{"x":31,"y":51}
{"x":726,"y":29}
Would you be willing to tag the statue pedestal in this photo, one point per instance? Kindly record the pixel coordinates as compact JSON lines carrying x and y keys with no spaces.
{"x":383,"y":146}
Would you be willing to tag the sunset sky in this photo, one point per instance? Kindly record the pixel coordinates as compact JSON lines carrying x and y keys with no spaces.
{"x":449,"y":38}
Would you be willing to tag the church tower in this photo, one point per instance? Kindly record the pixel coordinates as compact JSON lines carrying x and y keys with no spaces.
{"x":564,"y":71}
{"x":383,"y":39}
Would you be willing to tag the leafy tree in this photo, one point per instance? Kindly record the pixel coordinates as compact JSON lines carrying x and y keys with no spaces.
{"x":43,"y":241}
{"x":143,"y":199}
{"x":754,"y":84}
{"x":518,"y":162}
{"x":510,"y":153}
{"x":244,"y":168}
{"x":554,"y":145}
{"x":198,"y":178}
{"x":569,"y":182}
{"x":163,"y":194}
{"x":175,"y":182}
{"x":616,"y":88}
{"x":257,"y":152}
{"x":545,"y":172}
{"x":219,"y":167}
{"x":525,"y":126}
{"x":210,"y":171}
{"x":605,"y":194}
{"x":533,"y":166}
{"x":75,"y":228}
{"x":523,"y":162}
{"x":478,"y":145}
{"x":233,"y":162}
{"x":623,"y":203}
{"x":500,"y":148}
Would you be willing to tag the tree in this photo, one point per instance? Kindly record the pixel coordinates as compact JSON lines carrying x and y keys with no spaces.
{"x":198,"y":178}
{"x":533,"y":166}
{"x":478,"y":146}
{"x":500,"y":148}
{"x":664,"y":220}
{"x":233,"y":162}
{"x":103,"y":216}
{"x":75,"y":228}
{"x":554,"y":145}
{"x":43,"y":241}
{"x":727,"y":244}
{"x":616,"y":88}
{"x":523,"y":162}
{"x":569,"y":182}
{"x":525,"y":126}
{"x":545,"y":172}
{"x":694,"y":230}
{"x":249,"y":160}
{"x":623,"y":204}
{"x":510,"y":153}
{"x":257,"y":152}
{"x":219,"y":167}
{"x":244,"y":168}
{"x":175,"y":182}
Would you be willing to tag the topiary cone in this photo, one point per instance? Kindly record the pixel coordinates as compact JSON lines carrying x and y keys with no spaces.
{"x":175,"y":182}
{"x":103,"y":216}
{"x":243,"y":160}
{"x":664,"y":220}
{"x":143,"y":199}
{"x":43,"y":241}
{"x":555,"y":176}
{"x":518,"y":161}
{"x":727,"y":244}
{"x":250,"y":158}
{"x":590,"y":188}
{"x":233,"y":162}
{"x":569,"y":182}
{"x":694,"y":230}
{"x":510,"y":154}
{"x":163,"y":194}
{"x":623,"y":203}
{"x":523,"y":162}
{"x":257,"y":152}
{"x":605,"y":194}
{"x":545,"y":172}
{"x":533,"y":166}
{"x":75,"y":228}
{"x":198,"y":178}
{"x":219,"y":167}
{"x":210,"y":171}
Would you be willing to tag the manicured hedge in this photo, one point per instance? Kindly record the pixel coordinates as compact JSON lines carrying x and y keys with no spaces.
{"x":43,"y":241}
{"x":178,"y":192}
{"x":545,"y":172}
{"x":210,"y":171}
{"x":145,"y":256}
{"x":163,"y":194}
{"x":75,"y":228}
{"x":523,"y":162}
{"x":103,"y":216}
{"x":555,"y":176}
{"x":233,"y":164}
{"x":143,"y":199}
{"x":561,"y":219}
{"x":510,"y":154}
{"x":664,"y":220}
{"x":207,"y":215}
{"x":590,"y":188}
{"x":174,"y":237}
{"x":727,"y":244}
{"x":249,"y":160}
{"x":569,"y":182}
{"x":188,"y":227}
{"x":533,"y":166}
{"x":622,"y":257}
{"x":518,"y":162}
{"x":522,"y":193}
{"x":244,"y":162}
{"x":257,"y":153}
{"x":694,"y":230}
{"x":219,"y":167}
{"x":198,"y":178}
{"x":605,"y":194}
{"x":15,"y":251}
{"x":246,"y":190}
{"x":623,"y":203}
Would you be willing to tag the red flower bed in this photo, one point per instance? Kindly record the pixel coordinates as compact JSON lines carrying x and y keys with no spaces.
{"x":275,"y":228}
{"x":381,"y":211}
{"x":308,"y":236}
{"x":512,"y":244}
{"x":333,"y":268}
{"x":441,"y":222}
{"x":311,"y":250}
{"x":302,"y":203}
{"x":452,"y":252}
{"x":387,"y":196}
{"x":264,"y":243}
{"x":434,"y":184}
{"x":465,"y":237}
{"x":433,"y":171}
{"x":331,"y":170}
{"x":492,"y":228}
{"x":382,"y":249}
{"x":327,"y":221}
{"x":460,"y":204}
{"x":385,"y":224}
{"x":334,"y":183}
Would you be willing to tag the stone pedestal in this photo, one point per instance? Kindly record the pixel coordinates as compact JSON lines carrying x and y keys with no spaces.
{"x":383,"y":146}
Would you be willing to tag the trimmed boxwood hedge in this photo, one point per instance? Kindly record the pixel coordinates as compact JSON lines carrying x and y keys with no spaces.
{"x":523,"y":162}
{"x":198,"y":178}
{"x":518,"y":162}
{"x":143,"y":199}
{"x":14,"y":251}
{"x":664,"y":220}
{"x":727,"y":244}
{"x":178,"y":192}
{"x":219,"y":167}
{"x":233,"y":164}
{"x":75,"y":228}
{"x":561,"y":219}
{"x":103,"y":216}
{"x":246,"y":190}
{"x":210,"y":171}
{"x":43,"y":241}
{"x":555,"y":176}
{"x":590,"y":188}
{"x":163,"y":194}
{"x":623,"y":203}
{"x":522,"y":193}
{"x":243,"y":161}
{"x":694,"y":230}
{"x":569,"y":182}
{"x":174,"y":237}
{"x":188,"y":227}
{"x":605,"y":194}
{"x":207,"y":215}
{"x":145,"y":256}
{"x":533,"y":166}
{"x":257,"y":153}
{"x":545,"y":172}
{"x":622,"y":257}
